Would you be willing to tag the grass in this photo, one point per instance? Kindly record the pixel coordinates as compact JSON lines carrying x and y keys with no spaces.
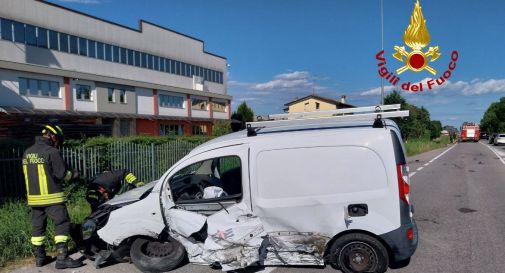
{"x":418,"y":146}
{"x":15,"y":225}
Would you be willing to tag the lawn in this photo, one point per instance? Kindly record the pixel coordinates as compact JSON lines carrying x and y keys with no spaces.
{"x":418,"y":146}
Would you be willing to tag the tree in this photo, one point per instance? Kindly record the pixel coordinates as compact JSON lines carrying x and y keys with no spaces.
{"x":244,"y":113}
{"x":435,"y":129}
{"x":493,"y":120}
{"x":221,"y":127}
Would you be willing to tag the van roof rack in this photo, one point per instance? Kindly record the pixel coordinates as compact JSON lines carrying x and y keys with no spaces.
{"x":367,"y":113}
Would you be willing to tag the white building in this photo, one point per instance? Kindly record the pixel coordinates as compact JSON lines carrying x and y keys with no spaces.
{"x":58,"y":63}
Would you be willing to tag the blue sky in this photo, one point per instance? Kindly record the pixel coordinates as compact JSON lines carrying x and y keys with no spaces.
{"x":279,"y":50}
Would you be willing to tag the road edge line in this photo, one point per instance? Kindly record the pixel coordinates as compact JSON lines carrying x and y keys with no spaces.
{"x":435,"y":158}
{"x":492,"y":150}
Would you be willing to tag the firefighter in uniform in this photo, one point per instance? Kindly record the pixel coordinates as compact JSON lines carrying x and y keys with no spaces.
{"x":106,"y":185}
{"x":45,"y":171}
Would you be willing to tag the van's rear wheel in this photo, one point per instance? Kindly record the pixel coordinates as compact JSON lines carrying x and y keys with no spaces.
{"x":356,"y":253}
{"x":151,"y":255}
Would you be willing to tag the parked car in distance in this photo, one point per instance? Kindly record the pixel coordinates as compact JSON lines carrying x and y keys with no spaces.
{"x":484,"y":135}
{"x":499,"y":139}
{"x":491,"y":138}
{"x":319,"y":194}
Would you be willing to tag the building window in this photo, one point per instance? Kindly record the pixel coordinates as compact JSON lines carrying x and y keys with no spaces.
{"x":115,"y":53}
{"x":317,"y":105}
{"x":6,"y":29}
{"x":143,"y":62}
{"x":39,"y":88}
{"x":123,"y":55}
{"x":63,"y":42}
{"x":31,"y":35}
{"x":156,"y":63}
{"x":124,"y":127}
{"x":108,"y":52}
{"x":137,"y":58}
{"x":83,"y":92}
{"x":130,"y":57}
{"x":162,"y":64}
{"x":172,"y":66}
{"x":42,"y":37}
{"x":199,"y":104}
{"x":53,"y":40}
{"x":73,"y":44}
{"x":149,"y":61}
{"x":83,"y":47}
{"x":218,"y":106}
{"x":171,"y":129}
{"x":110,"y":95}
{"x":19,"y":32}
{"x":171,"y":101}
{"x":199,"y":130}
{"x":100,"y":51}
{"x":122,"y":96}
{"x":92,"y":48}
{"x":183,"y":69}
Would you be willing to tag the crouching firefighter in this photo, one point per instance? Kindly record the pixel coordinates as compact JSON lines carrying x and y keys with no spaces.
{"x":45,"y":171}
{"x":109,"y":183}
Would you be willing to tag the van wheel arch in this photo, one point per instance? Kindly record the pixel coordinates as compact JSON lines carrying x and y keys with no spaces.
{"x":356,"y":231}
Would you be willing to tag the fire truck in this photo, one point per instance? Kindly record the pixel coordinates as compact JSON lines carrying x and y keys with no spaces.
{"x":470,"y":132}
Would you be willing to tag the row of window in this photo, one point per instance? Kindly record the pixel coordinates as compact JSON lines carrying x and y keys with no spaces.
{"x":41,"y":37}
{"x":111,"y":95}
{"x":39,"y":88}
{"x":43,"y":88}
{"x":178,"y":129}
{"x":196,"y":104}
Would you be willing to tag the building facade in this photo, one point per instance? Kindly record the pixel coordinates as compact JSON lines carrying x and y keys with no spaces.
{"x":312,"y":103}
{"x":94,"y":75}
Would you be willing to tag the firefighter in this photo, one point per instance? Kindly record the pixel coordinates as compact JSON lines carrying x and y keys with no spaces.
{"x":109,"y":183}
{"x":45,"y":171}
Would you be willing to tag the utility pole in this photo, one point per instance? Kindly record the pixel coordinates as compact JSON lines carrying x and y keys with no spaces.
{"x":382,"y":47}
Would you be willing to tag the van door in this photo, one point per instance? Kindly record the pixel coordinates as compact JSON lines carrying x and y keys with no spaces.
{"x":207,"y":207}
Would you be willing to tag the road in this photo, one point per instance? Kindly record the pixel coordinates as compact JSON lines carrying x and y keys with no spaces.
{"x":459,"y":198}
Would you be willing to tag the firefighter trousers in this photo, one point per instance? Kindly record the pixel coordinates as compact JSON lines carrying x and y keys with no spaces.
{"x":59,"y":214}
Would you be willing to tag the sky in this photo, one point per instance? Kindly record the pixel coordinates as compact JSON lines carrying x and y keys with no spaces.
{"x":279,"y":50}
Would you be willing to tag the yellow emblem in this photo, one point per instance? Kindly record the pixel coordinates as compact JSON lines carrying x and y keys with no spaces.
{"x":416,"y":37}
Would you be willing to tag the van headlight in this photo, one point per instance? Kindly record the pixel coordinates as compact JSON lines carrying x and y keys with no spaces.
{"x":88,"y":228}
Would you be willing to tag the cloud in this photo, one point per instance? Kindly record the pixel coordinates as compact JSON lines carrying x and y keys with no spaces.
{"x":467,"y":88}
{"x":81,"y":1}
{"x":288,"y":82}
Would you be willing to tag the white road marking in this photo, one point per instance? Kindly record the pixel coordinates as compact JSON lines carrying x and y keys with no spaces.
{"x":495,"y":152}
{"x":267,"y":270}
{"x":435,"y":158}
{"x":426,"y":164}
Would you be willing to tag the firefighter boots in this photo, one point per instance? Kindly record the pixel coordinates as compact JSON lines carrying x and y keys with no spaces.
{"x":40,"y":256}
{"x":62,"y":260}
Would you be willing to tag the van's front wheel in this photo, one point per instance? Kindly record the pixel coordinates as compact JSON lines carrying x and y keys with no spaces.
{"x":355,"y":253}
{"x":151,"y":255}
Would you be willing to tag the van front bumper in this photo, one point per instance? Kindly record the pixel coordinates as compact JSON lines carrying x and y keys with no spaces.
{"x":401,"y":247}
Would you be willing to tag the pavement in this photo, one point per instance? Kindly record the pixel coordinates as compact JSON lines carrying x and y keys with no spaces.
{"x":458,"y":193}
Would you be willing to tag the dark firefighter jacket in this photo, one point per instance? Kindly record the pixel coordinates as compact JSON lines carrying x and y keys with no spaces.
{"x":44,"y":171}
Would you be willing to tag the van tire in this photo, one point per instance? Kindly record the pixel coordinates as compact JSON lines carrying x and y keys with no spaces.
{"x":151,"y":255}
{"x":369,"y":254}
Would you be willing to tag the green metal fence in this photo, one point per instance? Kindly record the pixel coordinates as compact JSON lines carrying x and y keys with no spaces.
{"x":147,"y":162}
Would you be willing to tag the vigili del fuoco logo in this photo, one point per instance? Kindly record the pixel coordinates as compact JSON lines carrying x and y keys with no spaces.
{"x":416,"y":59}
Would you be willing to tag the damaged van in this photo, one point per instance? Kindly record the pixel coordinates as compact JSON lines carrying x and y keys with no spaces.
{"x":323,"y":191}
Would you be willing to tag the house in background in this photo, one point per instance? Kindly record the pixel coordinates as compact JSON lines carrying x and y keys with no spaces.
{"x":312,"y":103}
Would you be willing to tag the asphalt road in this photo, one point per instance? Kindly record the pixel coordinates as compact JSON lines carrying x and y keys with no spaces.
{"x":459,"y":198}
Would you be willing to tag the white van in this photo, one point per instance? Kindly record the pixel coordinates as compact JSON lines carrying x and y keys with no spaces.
{"x":304,"y":192}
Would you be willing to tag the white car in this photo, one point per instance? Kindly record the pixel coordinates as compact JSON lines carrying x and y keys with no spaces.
{"x":499,"y":139}
{"x":329,"y":192}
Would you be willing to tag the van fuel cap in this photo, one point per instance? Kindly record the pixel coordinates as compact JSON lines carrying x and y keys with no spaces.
{"x":357,"y":210}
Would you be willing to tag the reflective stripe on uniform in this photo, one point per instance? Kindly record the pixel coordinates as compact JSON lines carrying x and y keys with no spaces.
{"x":38,"y":241}
{"x":68,"y":176}
{"x":130,"y":178}
{"x":46,"y":199}
{"x":60,"y":239}
{"x":25,"y":172}
{"x":59,"y":129}
{"x":42,"y":179}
